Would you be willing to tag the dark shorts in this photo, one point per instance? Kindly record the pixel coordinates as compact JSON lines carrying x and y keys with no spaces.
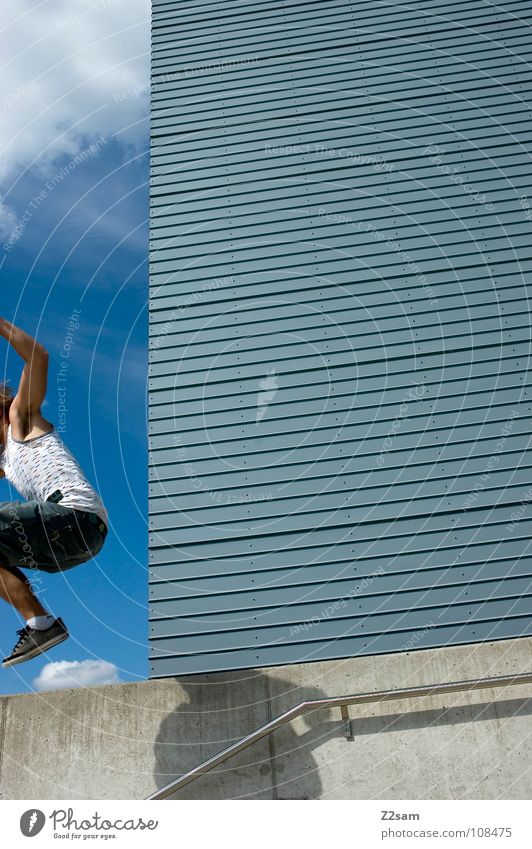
{"x":48,"y":536}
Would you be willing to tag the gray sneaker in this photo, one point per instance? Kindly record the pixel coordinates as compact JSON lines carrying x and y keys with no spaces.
{"x":32,"y":642}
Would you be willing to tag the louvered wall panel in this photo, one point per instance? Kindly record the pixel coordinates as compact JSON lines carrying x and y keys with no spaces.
{"x":339,"y":398}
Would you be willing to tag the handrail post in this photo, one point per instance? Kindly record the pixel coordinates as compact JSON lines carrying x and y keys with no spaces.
{"x":348,"y":728}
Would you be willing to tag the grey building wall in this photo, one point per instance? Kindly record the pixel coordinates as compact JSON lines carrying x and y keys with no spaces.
{"x":339,"y":395}
{"x":126,"y":741}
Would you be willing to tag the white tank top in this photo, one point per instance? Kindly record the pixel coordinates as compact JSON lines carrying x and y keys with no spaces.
{"x":43,"y":465}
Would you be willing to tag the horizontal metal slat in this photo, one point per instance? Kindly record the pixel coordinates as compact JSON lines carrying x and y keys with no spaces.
{"x":408,"y":446}
{"x":486,"y":375}
{"x":331,"y":588}
{"x":202,"y":594}
{"x":258,"y":514}
{"x":384,"y":115}
{"x":229,"y":308}
{"x":203,"y":325}
{"x":375,"y":624}
{"x":327,"y":20}
{"x":330,"y":411}
{"x":347,"y":207}
{"x":398,"y":87}
{"x":358,"y":109}
{"x":340,"y":259}
{"x":412,"y":59}
{"x":222,"y":484}
{"x":511,"y":384}
{"x":323,"y":15}
{"x":326,"y":237}
{"x":332,"y":258}
{"x":362,"y":607}
{"x":499,"y":627}
{"x":260,"y":506}
{"x":389,"y":227}
{"x":482,"y":190}
{"x":329,"y":518}
{"x":320,"y":166}
{"x":285,"y":344}
{"x":431,"y":368}
{"x":226,"y":485}
{"x":203,"y":581}
{"x":360,"y":435}
{"x":222,"y":504}
{"x":170,"y":58}
{"x":208,"y":7}
{"x":204,"y":14}
{"x":405,"y":236}
{"x":300,"y":129}
{"x":390,"y":342}
{"x":184,"y":142}
{"x":391,"y":151}
{"x":210,"y":476}
{"x":320,"y":544}
{"x":193,"y":203}
{"x":219,"y":347}
{"x":482,"y":59}
{"x":362,"y":279}
{"x":176,"y":9}
{"x":404,"y":91}
{"x":309,"y":139}
{"x":270,"y":74}
{"x":187,"y":150}
{"x":403,"y":530}
{"x":190,"y":55}
{"x":379,"y":216}
{"x":369,"y":175}
{"x":416,"y":262}
{"x":377,"y":219}
{"x":337,"y":395}
{"x":266,"y":26}
{"x":297,"y":130}
{"x":168,"y":387}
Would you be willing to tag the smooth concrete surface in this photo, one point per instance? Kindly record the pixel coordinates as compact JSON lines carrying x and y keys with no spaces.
{"x":125,"y":741}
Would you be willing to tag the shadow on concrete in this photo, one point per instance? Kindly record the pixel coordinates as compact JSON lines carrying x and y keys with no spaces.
{"x":213,"y":711}
{"x":414,"y":719}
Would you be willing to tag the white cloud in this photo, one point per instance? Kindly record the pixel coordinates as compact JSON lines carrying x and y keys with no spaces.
{"x":63,"y":62}
{"x":76,"y":673}
{"x":8,"y":220}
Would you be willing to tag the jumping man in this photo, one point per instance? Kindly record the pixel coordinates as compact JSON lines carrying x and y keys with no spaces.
{"x":63,"y":521}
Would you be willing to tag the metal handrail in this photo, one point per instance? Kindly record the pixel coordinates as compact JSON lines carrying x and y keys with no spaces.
{"x":337,"y":701}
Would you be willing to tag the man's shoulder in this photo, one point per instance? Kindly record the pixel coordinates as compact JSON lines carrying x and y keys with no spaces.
{"x":24,"y":427}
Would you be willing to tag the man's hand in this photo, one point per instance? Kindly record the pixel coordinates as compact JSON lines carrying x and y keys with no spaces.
{"x":25,"y":410}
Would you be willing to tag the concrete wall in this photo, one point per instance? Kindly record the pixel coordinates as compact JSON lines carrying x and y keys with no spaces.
{"x":124,"y":741}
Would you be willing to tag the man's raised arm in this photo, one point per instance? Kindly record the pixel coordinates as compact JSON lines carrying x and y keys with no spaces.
{"x":32,"y":387}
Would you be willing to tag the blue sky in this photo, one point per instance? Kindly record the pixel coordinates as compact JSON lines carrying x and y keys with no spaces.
{"x":74,"y":236}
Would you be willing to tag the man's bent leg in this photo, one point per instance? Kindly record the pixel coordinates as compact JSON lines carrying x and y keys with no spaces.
{"x":16,"y":590}
{"x":22,"y":536}
{"x":42,"y":631}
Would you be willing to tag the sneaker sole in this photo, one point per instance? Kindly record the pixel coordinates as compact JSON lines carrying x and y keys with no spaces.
{"x":54,"y":641}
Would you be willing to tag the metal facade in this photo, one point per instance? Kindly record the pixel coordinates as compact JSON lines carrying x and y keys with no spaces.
{"x":339,"y":401}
